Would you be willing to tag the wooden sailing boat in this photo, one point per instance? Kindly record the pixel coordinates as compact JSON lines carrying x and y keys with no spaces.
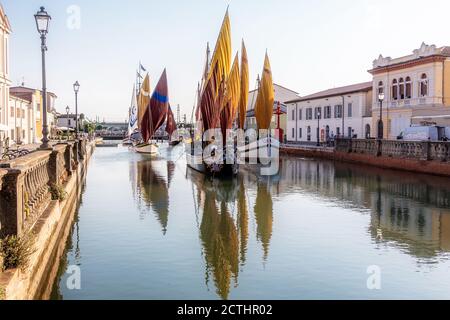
{"x":171,"y":127}
{"x":132,"y":119}
{"x":217,"y":106}
{"x":154,"y":116}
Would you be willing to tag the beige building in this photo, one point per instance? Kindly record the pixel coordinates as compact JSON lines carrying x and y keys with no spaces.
{"x":5,"y":82}
{"x":282,"y":94}
{"x":416,"y":89}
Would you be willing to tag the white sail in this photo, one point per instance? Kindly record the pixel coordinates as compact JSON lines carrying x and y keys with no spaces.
{"x":132,"y":122}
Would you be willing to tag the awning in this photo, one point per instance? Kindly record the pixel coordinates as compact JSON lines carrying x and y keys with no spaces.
{"x":431,"y":117}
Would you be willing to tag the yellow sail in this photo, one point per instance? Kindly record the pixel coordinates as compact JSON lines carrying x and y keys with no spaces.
{"x":265,"y":99}
{"x":143,"y":99}
{"x":222,"y":54}
{"x":243,"y":101}
{"x":233,"y":88}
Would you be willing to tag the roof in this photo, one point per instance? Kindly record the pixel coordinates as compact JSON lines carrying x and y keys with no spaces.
{"x":19,"y":97}
{"x":359,"y":87}
{"x":4,"y":19}
{"x":277,"y":85}
{"x":23,"y":89}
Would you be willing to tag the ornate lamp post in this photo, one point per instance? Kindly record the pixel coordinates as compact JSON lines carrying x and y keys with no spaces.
{"x":76,"y":88}
{"x":380,"y":121}
{"x":318,"y":114}
{"x":42,"y":22}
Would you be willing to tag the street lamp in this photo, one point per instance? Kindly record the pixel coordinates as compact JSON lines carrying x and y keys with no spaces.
{"x":76,"y":88}
{"x":42,"y":22}
{"x":380,"y":121}
{"x":318,"y":125}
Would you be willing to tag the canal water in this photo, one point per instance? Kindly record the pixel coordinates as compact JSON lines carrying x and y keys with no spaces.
{"x":153,"y":229}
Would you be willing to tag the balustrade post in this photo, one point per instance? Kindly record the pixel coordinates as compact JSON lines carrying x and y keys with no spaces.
{"x":425,"y":151}
{"x":11,"y":198}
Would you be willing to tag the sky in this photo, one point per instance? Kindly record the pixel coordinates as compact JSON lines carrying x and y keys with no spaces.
{"x":312,"y":45}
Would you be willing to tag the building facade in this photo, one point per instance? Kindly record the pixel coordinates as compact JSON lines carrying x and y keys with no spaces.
{"x":5,"y":82}
{"x":281,"y":94}
{"x":416,"y":89}
{"x":344,"y":111}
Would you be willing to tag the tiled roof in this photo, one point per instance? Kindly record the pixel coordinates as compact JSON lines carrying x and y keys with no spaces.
{"x":359,"y":87}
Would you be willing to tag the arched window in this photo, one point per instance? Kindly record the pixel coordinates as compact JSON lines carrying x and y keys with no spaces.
{"x":308,"y":133}
{"x":367,"y":133}
{"x":394,"y":89}
{"x":401,"y":88}
{"x":408,"y":92}
{"x":423,"y":90}
{"x":380,"y":87}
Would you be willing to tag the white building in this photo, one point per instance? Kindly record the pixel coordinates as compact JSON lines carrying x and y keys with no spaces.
{"x":281,"y":94}
{"x":5,"y":82}
{"x":321,"y":115}
{"x":67,"y":121}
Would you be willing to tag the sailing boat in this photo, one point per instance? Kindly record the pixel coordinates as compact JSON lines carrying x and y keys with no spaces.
{"x":218,"y":101}
{"x":154,"y":116}
{"x":132,"y":119}
{"x":171,"y":127}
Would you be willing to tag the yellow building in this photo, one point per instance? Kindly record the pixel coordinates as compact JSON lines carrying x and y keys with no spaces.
{"x":416,"y":89}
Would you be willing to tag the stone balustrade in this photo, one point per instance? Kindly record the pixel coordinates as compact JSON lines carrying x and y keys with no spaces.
{"x":416,"y":150}
{"x":25,"y":184}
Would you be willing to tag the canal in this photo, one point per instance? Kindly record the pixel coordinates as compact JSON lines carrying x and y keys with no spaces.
{"x":153,"y":229}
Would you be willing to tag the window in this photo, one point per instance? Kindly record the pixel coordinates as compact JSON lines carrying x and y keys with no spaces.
{"x":401,"y":88}
{"x":327,"y":112}
{"x":68,"y":123}
{"x":350,"y":110}
{"x":318,"y":113}
{"x":380,"y":87}
{"x":349,"y":132}
{"x":300,"y":114}
{"x":308,"y":133}
{"x":293,"y":133}
{"x":12,"y":134}
{"x":38,"y":107}
{"x":309,"y":114}
{"x":12,"y":111}
{"x":423,"y":90}
{"x":293,"y":114}
{"x":338,"y":111}
{"x":300,"y":133}
{"x":338,"y":131}
{"x":408,"y":88}
{"x":394,"y":89}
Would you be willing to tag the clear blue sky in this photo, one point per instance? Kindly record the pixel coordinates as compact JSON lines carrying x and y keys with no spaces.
{"x":313,"y":45}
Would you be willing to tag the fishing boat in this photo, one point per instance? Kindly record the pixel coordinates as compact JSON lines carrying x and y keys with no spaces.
{"x":154,"y":116}
{"x":218,"y":99}
{"x":171,"y":127}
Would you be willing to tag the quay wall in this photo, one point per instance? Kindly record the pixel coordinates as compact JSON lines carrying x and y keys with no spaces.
{"x":27,"y":209}
{"x":421,"y":157}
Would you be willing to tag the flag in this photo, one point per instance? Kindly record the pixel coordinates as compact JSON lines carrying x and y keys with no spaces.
{"x":243,"y":101}
{"x":265,"y":98}
{"x":141,"y":67}
{"x":143,"y":99}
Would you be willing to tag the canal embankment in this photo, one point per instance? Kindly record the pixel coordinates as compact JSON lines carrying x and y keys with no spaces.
{"x":39,"y":194}
{"x":429,"y":157}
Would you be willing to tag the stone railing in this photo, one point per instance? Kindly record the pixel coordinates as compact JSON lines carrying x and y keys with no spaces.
{"x":419,"y":150}
{"x":25,"y":184}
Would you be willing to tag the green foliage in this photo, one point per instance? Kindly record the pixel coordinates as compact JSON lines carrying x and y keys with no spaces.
{"x":58,"y":192}
{"x":16,"y":251}
{"x":2,"y":294}
{"x":89,"y":127}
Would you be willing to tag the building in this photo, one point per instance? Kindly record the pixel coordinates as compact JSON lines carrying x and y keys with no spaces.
{"x":416,"y":89}
{"x":34,"y":97}
{"x":5,"y":82}
{"x":67,"y":120}
{"x":21,"y":126}
{"x":320,"y":115}
{"x":281,"y":94}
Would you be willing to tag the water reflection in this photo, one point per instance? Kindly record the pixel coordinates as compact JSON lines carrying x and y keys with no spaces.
{"x":153,"y":190}
{"x":409,"y":211}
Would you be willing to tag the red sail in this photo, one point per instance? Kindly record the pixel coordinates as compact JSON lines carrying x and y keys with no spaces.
{"x":156,"y":112}
{"x":210,"y":106}
{"x":226,"y":120}
{"x":171,"y":125}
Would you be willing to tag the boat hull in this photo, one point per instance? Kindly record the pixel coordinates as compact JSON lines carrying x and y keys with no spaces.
{"x":215,"y":170}
{"x":151,"y":149}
